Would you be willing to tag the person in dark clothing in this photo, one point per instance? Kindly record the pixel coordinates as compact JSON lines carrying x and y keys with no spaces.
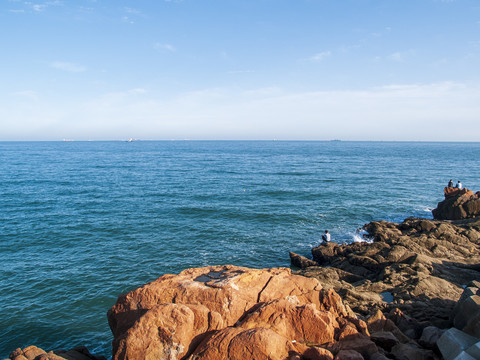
{"x":450,"y":183}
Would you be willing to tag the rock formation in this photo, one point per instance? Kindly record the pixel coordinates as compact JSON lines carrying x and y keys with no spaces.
{"x":418,"y":266}
{"x":458,"y":204}
{"x":35,"y":353}
{"x":228,"y":312}
{"x":463,"y":340}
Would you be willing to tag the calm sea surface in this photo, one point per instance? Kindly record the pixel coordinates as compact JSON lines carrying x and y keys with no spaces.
{"x":82,"y":222}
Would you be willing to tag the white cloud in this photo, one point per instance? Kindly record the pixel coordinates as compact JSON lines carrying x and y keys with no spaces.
{"x":164,"y":47}
{"x":43,"y":6}
{"x":67,"y":66}
{"x":39,"y":7}
{"x":132,"y":11}
{"x":126,"y":19}
{"x":393,"y":112}
{"x":401,"y":56}
{"x":320,"y":56}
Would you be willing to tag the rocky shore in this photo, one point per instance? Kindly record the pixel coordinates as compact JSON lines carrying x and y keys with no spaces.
{"x":411,"y":293}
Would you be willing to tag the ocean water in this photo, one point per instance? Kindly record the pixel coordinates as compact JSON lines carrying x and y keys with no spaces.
{"x":82,"y":222}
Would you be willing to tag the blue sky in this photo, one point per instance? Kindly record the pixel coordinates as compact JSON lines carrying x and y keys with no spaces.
{"x":244,"y":69}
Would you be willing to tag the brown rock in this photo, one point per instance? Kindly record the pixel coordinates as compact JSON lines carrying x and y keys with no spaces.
{"x":384,"y":339}
{"x":167,"y":330}
{"x":35,"y":353}
{"x":331,"y":301}
{"x":359,"y":343}
{"x":77,"y":353}
{"x":229,"y":312}
{"x":430,"y":336}
{"x":31,"y":352}
{"x":458,"y":204}
{"x":325,"y":253}
{"x":301,"y":261}
{"x":317,"y":353}
{"x":303,"y":323}
{"x":418,"y":266}
{"x":411,"y":352}
{"x":53,"y":356}
{"x":237,"y":343}
{"x":348,"y":355}
{"x":217,"y":288}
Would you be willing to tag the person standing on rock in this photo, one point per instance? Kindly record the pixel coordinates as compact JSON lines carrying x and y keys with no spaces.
{"x":459,"y":185}
{"x":326,"y":237}
{"x":450,"y":183}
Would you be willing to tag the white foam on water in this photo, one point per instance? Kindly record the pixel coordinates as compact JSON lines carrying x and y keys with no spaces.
{"x":359,"y":236}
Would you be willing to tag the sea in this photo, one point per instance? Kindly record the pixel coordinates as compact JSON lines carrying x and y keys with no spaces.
{"x":83,"y":222}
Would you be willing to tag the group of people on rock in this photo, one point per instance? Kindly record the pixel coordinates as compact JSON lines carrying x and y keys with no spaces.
{"x":458,"y":185}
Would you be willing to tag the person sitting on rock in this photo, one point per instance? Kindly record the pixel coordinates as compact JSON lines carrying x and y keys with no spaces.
{"x":459,"y":185}
{"x":450,"y":183}
{"x":326,"y":237}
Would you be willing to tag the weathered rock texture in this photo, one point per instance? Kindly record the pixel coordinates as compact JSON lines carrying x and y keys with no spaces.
{"x":35,"y":353}
{"x":458,"y":205}
{"x":228,"y":312}
{"x":418,"y":266}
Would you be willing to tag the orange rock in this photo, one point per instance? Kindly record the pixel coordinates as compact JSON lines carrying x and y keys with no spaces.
{"x":241,"y":344}
{"x":347,"y":331}
{"x":316,"y":353}
{"x":228,"y":290}
{"x":30,"y":353}
{"x":228,"y":312}
{"x":331,"y":301}
{"x":303,"y":323}
{"x":167,"y":330}
{"x":451,"y":191}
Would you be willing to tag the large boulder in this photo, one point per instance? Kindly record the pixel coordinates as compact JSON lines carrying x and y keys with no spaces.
{"x":458,"y":204}
{"x":228,"y":312}
{"x":466,"y":313}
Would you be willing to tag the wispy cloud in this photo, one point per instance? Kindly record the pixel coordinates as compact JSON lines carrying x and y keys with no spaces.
{"x":382,"y":113}
{"x":320,"y":56}
{"x":68,"y":66}
{"x":42,"y":6}
{"x":39,"y":7}
{"x":401,"y":56}
{"x":126,"y":19}
{"x":164,"y":47}
{"x":397,"y":56}
{"x":29,"y":94}
{"x":241,"y":71}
